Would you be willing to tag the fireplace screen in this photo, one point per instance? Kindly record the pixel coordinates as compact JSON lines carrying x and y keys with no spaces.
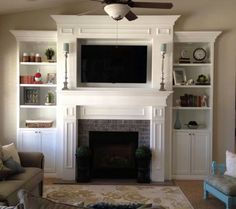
{"x":113,"y":154}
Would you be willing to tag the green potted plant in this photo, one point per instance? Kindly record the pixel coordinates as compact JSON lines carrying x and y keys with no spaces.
{"x":83,"y":158}
{"x":143,"y":157}
{"x":49,"y":53}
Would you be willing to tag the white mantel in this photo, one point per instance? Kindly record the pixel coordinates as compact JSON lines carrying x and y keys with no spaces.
{"x":144,"y":102}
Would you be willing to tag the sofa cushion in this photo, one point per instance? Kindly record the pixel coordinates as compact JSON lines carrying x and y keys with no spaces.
{"x":29,"y":180}
{"x":223,"y":183}
{"x":28,"y":174}
{"x":5,"y":173}
{"x":9,"y":187}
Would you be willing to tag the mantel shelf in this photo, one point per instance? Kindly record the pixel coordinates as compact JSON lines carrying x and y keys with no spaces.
{"x":117,"y":92}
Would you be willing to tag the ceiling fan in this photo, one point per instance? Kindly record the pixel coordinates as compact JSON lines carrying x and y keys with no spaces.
{"x":118,"y":9}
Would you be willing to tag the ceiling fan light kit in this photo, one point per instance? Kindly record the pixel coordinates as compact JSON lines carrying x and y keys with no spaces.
{"x":117,"y":11}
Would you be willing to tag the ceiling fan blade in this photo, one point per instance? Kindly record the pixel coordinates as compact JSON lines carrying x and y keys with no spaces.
{"x":156,"y":5}
{"x":131,"y":16}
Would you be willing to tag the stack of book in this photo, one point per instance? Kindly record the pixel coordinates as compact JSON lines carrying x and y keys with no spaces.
{"x":189,"y":100}
{"x":184,"y":60}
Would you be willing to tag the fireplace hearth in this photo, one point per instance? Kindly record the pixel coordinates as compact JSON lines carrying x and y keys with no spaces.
{"x":113,"y":154}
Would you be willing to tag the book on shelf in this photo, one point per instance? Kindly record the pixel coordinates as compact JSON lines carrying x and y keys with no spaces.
{"x":184,"y":60}
{"x":189,"y":100}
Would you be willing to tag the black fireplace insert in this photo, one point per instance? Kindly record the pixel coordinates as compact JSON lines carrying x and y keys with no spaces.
{"x":113,"y":154}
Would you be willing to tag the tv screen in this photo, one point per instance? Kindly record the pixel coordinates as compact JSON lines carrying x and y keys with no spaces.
{"x":113,"y":64}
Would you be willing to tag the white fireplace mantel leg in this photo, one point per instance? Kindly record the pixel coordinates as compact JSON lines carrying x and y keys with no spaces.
{"x":157,"y":144}
{"x":69,"y":142}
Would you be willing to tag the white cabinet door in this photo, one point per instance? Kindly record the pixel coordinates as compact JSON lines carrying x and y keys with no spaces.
{"x":30,"y":141}
{"x":40,"y":141}
{"x":200,"y":153}
{"x":181,"y":153}
{"x":48,"y":139}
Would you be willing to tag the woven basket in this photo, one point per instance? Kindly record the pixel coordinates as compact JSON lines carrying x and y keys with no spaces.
{"x":38,"y":124}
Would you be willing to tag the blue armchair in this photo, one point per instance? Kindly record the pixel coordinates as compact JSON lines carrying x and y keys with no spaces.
{"x":221,"y":186}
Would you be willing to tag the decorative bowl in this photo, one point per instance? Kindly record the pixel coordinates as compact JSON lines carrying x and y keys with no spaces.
{"x":192,"y":126}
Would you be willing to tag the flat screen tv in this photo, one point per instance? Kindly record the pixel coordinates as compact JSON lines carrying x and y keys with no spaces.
{"x":113,"y":64}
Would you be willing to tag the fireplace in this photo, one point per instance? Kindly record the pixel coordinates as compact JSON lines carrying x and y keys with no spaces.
{"x":113,"y":154}
{"x":115,"y":101}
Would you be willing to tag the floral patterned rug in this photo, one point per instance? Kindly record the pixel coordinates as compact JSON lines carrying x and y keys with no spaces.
{"x":169,"y":197}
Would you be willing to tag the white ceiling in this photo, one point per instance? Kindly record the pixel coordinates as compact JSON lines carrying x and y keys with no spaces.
{"x":14,"y":6}
{"x":87,"y":6}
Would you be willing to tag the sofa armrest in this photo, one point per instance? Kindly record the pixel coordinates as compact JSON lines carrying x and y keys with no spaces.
{"x":32,"y":159}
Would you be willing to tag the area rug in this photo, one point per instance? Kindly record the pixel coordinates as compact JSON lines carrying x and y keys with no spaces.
{"x":169,"y":197}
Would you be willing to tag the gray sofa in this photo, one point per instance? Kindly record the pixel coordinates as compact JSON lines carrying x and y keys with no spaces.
{"x":31,"y":180}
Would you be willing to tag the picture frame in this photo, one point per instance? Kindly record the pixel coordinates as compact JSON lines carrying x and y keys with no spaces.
{"x":51,"y":78}
{"x":179,"y":76}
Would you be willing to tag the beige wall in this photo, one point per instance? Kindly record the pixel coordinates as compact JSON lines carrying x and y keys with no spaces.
{"x":195,"y":15}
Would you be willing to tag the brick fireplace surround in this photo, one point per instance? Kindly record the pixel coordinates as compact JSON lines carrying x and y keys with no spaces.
{"x":123,"y":103}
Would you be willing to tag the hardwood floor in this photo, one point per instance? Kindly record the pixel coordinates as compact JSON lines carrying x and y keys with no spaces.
{"x":193,"y":190}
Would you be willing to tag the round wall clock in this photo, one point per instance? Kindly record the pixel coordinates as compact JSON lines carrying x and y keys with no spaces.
{"x":199,"y":54}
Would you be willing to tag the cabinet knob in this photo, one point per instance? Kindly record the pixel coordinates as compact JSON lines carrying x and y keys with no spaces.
{"x":36,"y":132}
{"x":189,"y":134}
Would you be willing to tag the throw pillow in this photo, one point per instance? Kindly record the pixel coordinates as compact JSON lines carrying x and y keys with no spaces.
{"x":13,"y":165}
{"x":5,"y":173}
{"x":10,"y":151}
{"x":34,"y":202}
{"x":230,"y":164}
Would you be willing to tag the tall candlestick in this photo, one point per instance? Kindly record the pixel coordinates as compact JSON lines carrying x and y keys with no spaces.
{"x":66,"y":47}
{"x":163,"y":51}
{"x":163,"y":48}
{"x":66,"y":51}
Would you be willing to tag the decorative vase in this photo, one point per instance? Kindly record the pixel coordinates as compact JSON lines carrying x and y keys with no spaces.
{"x":177,"y":121}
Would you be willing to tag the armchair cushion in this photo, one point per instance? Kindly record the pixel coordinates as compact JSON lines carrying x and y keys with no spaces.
{"x":223,"y":183}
